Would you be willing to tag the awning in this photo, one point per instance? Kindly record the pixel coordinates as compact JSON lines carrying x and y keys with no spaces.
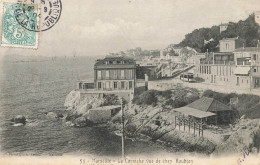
{"x":242,"y":70}
{"x":194,"y":112}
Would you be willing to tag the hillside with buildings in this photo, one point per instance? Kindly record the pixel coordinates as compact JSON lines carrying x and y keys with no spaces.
{"x":204,"y":39}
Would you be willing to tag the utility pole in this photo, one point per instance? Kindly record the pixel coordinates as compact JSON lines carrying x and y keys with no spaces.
{"x":123,"y":130}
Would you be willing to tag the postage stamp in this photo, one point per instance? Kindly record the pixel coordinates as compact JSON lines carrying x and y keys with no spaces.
{"x":15,"y":35}
{"x":50,"y":14}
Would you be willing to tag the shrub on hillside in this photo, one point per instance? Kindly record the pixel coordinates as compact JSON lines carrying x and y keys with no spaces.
{"x":166,"y":94}
{"x":245,"y":101}
{"x":176,"y":103}
{"x":111,"y":99}
{"x":146,"y":98}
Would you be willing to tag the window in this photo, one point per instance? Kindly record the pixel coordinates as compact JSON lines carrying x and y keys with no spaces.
{"x":255,"y":70}
{"x":107,"y":85}
{"x":99,"y":85}
{"x":107,"y":74}
{"x":122,"y":85}
{"x":115,"y":74}
{"x":254,"y":56}
{"x":130,"y":84}
{"x":122,"y":74}
{"x":115,"y":85}
{"x":99,"y":75}
{"x":227,"y":46}
{"x":130,"y":74}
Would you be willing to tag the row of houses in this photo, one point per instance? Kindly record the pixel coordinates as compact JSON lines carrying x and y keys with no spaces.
{"x":234,"y":65}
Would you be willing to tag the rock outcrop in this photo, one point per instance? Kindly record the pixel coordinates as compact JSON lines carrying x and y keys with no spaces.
{"x":77,"y":106}
{"x":54,"y":115}
{"x":19,"y":119}
{"x":245,"y":137}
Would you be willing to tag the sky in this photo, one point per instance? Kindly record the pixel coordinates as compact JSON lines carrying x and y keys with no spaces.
{"x":97,"y":27}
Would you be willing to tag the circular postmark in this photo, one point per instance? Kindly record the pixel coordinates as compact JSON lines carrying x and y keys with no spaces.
{"x":46,"y":13}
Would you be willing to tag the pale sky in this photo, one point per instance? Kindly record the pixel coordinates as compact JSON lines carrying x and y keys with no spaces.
{"x":97,"y":27}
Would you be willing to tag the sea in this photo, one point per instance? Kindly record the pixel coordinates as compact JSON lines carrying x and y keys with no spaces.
{"x":35,"y":85}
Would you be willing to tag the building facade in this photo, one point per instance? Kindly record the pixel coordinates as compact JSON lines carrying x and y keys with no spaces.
{"x":230,"y":44}
{"x":217,"y":68}
{"x":257,"y":17}
{"x":238,"y":69}
{"x":115,"y":73}
{"x":223,"y":27}
{"x":248,"y":62}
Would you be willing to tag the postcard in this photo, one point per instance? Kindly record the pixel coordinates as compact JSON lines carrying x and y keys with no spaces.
{"x":147,"y":82}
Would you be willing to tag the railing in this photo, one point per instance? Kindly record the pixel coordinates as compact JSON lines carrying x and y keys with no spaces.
{"x":218,"y":62}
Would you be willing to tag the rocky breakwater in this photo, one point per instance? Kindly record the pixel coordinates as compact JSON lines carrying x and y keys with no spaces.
{"x":245,"y":137}
{"x":77,"y":107}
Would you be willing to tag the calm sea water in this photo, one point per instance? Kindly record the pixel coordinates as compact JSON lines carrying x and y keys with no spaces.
{"x":32,"y":86}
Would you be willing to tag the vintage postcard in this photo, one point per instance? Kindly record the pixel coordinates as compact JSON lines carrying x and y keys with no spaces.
{"x":169,"y":82}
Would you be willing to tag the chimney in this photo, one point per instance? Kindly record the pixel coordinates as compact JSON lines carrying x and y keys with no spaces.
{"x":243,"y":45}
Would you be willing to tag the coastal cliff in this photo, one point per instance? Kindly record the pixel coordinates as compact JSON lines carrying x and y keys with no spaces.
{"x":77,"y":108}
{"x":155,"y":122}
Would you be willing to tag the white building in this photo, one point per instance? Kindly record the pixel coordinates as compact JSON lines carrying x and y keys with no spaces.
{"x":257,"y":17}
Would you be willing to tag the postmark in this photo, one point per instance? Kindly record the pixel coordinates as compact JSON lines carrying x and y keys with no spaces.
{"x":15,"y":35}
{"x":49,"y":16}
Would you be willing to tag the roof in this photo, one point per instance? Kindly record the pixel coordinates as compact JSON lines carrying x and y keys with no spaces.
{"x":194,"y":112}
{"x":228,"y":39}
{"x":208,"y":105}
{"x":224,"y":24}
{"x":115,"y":62}
{"x":109,"y":107}
{"x":242,"y":70}
{"x":222,"y":53}
{"x":248,"y":49}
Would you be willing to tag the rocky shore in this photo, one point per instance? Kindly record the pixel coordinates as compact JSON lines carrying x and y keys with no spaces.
{"x":140,"y":124}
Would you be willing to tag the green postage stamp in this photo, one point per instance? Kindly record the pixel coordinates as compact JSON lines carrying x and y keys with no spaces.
{"x":14,"y":23}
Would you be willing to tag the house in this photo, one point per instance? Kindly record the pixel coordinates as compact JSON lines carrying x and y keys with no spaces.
{"x":257,"y":17}
{"x":112,"y":75}
{"x":223,"y":27}
{"x":230,"y":44}
{"x":115,"y":73}
{"x":248,"y":66}
{"x":207,"y":110}
{"x":217,"y":68}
